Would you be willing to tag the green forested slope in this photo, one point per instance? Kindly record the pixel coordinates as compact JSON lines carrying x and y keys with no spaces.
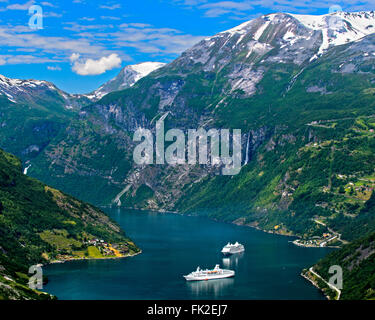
{"x":358,"y":263}
{"x":39,"y":224}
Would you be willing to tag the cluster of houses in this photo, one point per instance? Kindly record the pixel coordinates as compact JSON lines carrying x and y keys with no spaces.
{"x":108,"y":249}
{"x":316,"y":241}
{"x":96,"y":242}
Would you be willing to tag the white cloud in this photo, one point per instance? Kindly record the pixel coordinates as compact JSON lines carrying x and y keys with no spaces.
{"x":87,"y":19}
{"x":109,"y":18}
{"x":141,"y":36}
{"x":235,"y":9}
{"x":18,"y":6}
{"x":95,"y":40}
{"x":47,"y":4}
{"x":230,"y":5}
{"x":74,"y":57}
{"x":25,"y":59}
{"x":148,"y":39}
{"x":216,"y":9}
{"x":61,"y":46}
{"x":94,"y":67}
{"x":76,"y":27}
{"x":54,"y":68}
{"x":112,"y":7}
{"x":138,"y":25}
{"x":52,"y":15}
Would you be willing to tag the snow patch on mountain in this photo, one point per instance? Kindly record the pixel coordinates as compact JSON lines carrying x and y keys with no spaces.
{"x":145,"y":68}
{"x":340,"y":27}
{"x":12,"y":88}
{"x":127,"y":77}
{"x":39,"y":92}
{"x":260,"y":31}
{"x":336,"y":28}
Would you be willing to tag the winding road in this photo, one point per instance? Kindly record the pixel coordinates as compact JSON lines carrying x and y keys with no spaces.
{"x":328,"y":284}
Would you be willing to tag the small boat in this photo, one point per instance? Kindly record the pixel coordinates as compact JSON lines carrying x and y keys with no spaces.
{"x":216,"y":273}
{"x":233,"y":248}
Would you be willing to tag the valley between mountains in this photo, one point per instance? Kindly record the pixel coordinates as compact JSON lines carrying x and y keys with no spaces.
{"x":300,"y":88}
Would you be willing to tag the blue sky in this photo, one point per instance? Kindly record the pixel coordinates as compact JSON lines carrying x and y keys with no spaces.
{"x":84,"y":43}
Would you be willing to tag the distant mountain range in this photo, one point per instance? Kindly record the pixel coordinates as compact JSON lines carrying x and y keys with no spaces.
{"x":35,"y":111}
{"x":42,"y":92}
{"x":38,"y":93}
{"x":301,"y":89}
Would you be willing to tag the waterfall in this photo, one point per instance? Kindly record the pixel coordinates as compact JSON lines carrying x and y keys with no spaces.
{"x":27,"y":168}
{"x":247,"y":150}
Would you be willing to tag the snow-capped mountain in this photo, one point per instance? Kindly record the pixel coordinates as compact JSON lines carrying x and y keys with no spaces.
{"x":272,"y":38}
{"x":245,"y":52}
{"x":274,"y":73}
{"x":38,"y":92}
{"x":340,"y":27}
{"x":336,"y":28}
{"x":294,"y":33}
{"x":127,"y":77}
{"x":15,"y":88}
{"x":20,"y":91}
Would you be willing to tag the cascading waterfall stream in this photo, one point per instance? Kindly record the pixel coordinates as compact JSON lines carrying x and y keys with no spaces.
{"x":247,"y":150}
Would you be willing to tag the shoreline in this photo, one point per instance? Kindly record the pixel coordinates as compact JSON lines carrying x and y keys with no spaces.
{"x":85,"y":258}
{"x":238,"y":223}
{"x":312,"y":246}
{"x":311,"y":276}
{"x":213,"y":219}
{"x":314,"y":284}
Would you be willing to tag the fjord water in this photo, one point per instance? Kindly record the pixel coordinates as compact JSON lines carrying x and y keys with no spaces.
{"x":174,"y":245}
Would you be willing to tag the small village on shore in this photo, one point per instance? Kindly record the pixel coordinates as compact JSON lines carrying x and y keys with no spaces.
{"x":327,"y":240}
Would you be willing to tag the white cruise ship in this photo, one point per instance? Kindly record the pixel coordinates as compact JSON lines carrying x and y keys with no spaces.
{"x":216,"y":273}
{"x":233,"y":248}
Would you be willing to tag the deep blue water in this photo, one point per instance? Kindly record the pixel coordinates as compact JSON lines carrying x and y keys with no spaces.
{"x":174,"y":245}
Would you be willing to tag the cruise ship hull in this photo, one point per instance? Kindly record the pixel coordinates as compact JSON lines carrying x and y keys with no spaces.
{"x":232,"y":251}
{"x":209,"y":277}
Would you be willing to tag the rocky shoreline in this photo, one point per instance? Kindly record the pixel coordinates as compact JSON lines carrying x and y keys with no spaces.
{"x":314,"y":284}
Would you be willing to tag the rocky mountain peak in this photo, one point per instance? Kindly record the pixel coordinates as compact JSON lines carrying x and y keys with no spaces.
{"x":13,"y":88}
{"x":276,"y":38}
{"x":127,"y":77}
